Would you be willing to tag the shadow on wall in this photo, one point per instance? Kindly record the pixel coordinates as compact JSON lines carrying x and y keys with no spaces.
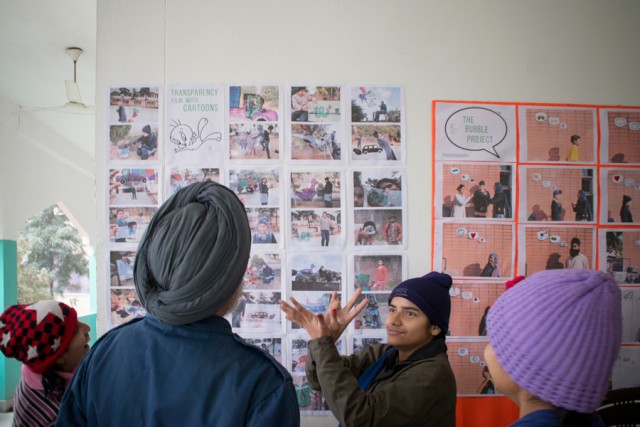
{"x":554,"y":263}
{"x":554,"y":154}
{"x":618,"y":158}
{"x":472,"y":270}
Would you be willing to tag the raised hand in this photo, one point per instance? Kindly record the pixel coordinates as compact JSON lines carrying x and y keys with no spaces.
{"x":338,"y":318}
{"x":314,"y":324}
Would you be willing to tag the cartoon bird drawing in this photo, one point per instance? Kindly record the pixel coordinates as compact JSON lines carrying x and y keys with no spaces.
{"x":307,"y":194}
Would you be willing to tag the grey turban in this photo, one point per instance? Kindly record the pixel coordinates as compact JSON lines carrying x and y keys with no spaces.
{"x":192,"y":258}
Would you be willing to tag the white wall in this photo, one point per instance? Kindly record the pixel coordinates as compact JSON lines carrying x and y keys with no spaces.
{"x":570,"y":51}
{"x":39,"y":168}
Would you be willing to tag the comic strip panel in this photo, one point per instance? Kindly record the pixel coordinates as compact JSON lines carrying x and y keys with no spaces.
{"x":554,"y":247}
{"x":478,"y":191}
{"x":620,"y":135}
{"x":474,"y":249}
{"x":620,"y":188}
{"x":470,"y":304}
{"x":470,"y":368}
{"x":620,"y":255}
{"x":551,"y":134}
{"x":557,"y":194}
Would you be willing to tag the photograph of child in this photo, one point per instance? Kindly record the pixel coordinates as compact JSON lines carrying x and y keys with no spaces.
{"x":377,"y":273}
{"x":133,"y":142}
{"x":134,"y":105}
{"x":557,"y":194}
{"x":121,"y":265}
{"x":378,"y":227}
{"x":125,"y":306}
{"x":315,"y":302}
{"x":475,"y":190}
{"x":254,"y":141}
{"x":254,"y":104}
{"x":620,"y":136}
{"x":316,"y":228}
{"x":257,"y":311}
{"x":316,"y":271}
{"x":180,"y":177}
{"x":474,"y":249}
{"x":619,"y":200}
{"x":376,"y":143}
{"x":377,"y":188}
{"x":258,"y":187}
{"x":265,"y":225}
{"x":316,"y":142}
{"x":128,"y":225}
{"x":316,"y":189}
{"x":555,"y":247}
{"x":315,"y":104}
{"x":552,"y":134}
{"x":264,"y":271}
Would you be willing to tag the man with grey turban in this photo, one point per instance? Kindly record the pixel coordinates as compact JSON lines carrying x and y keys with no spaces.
{"x":181,"y":364}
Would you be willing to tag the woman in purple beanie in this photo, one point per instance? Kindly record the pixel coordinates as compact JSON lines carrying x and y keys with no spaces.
{"x":406,"y":382}
{"x":553,"y":339}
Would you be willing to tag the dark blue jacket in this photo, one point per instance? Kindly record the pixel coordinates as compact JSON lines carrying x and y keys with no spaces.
{"x":149,"y":373}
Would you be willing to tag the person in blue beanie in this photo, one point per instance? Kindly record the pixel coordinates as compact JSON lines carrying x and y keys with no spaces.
{"x":406,"y":382}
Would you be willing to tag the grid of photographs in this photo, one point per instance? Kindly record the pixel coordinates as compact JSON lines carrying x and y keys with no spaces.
{"x":320,"y":169}
{"x":522,"y":188}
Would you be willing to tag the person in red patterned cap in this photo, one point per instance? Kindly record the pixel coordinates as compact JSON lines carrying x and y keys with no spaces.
{"x":50,"y":342}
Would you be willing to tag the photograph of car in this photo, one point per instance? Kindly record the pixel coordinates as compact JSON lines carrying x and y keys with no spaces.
{"x":371,"y":149}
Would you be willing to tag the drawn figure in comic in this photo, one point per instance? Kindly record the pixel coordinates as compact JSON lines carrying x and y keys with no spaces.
{"x":186,"y":139}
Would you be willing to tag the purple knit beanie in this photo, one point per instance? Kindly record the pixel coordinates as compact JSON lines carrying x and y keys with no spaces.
{"x":431,"y":294}
{"x":557,"y":334}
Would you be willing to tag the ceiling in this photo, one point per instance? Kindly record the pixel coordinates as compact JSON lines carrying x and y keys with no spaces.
{"x":34,"y":66}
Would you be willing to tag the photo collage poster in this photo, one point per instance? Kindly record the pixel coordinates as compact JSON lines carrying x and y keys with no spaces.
{"x":320,"y":170}
{"x":520,"y":188}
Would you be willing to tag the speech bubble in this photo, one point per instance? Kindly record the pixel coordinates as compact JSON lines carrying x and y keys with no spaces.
{"x":467,"y":295}
{"x":474,"y":359}
{"x":620,"y":122}
{"x":476,"y":129}
{"x":455,"y":171}
{"x":462,"y":352}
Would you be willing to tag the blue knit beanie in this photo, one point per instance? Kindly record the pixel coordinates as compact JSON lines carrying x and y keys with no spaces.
{"x":431,"y":294}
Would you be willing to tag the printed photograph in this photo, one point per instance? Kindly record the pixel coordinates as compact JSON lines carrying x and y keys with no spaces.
{"x":315,"y":189}
{"x":470,"y":304}
{"x":557,"y":194}
{"x":375,"y":313}
{"x":316,"y":142}
{"x":474,"y":249}
{"x":125,"y":306}
{"x":621,"y":187}
{"x":377,"y":188}
{"x":258,"y":187}
{"x":273,"y":346}
{"x":265,"y":225}
{"x":121,"y":265}
{"x":551,"y":134}
{"x":134,"y":105}
{"x":316,"y":228}
{"x":257,"y":311}
{"x":128,"y":225}
{"x":376,"y":143}
{"x":315,"y":104}
{"x":180,"y":177}
{"x":315,"y":302}
{"x":137,"y":187}
{"x":264,"y":271}
{"x":254,"y":141}
{"x":620,"y":135}
{"x":316,"y":271}
{"x":254,"y":103}
{"x":138,"y":141}
{"x":377,"y":273}
{"x":377,"y":227}
{"x":469,"y":367}
{"x":309,"y":400}
{"x":377,"y":104}
{"x":361,"y":342}
{"x":478,"y":191}
{"x":620,"y":255}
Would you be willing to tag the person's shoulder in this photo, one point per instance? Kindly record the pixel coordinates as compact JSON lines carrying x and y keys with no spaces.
{"x":263,"y":360}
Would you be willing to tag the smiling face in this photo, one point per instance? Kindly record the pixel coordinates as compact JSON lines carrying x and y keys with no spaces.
{"x":408,"y":328}
{"x":78,"y":347}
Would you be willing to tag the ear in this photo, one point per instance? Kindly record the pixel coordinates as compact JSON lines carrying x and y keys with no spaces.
{"x":435,"y":330}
